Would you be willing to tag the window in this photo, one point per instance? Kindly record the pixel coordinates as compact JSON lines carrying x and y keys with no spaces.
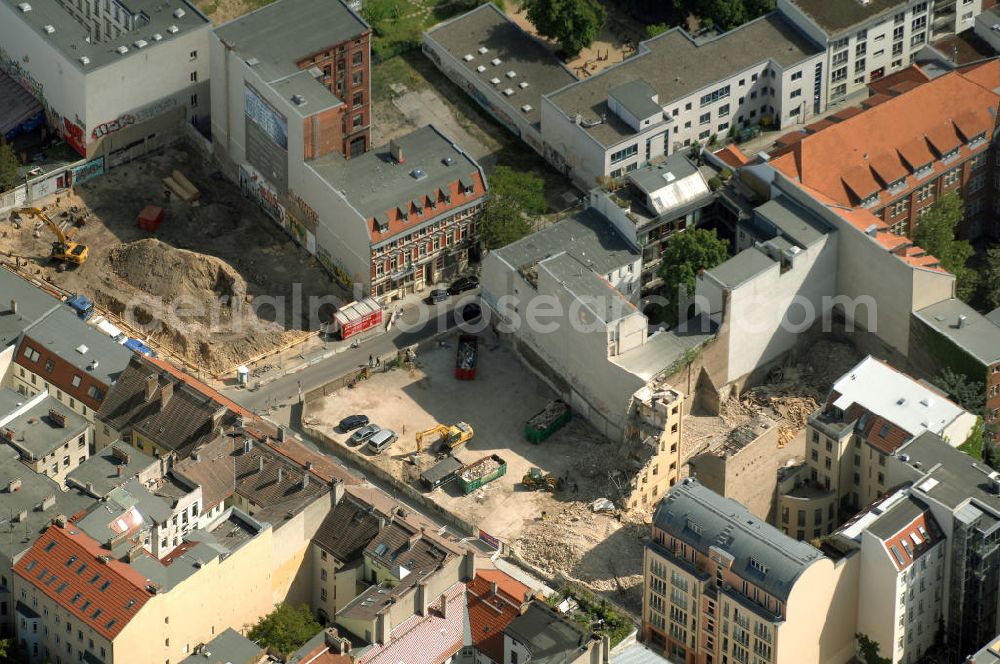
{"x":194,"y":77}
{"x":193,"y":55}
{"x":840,"y":58}
{"x":723,"y":127}
{"x":94,"y":393}
{"x":951,"y":177}
{"x":358,"y":121}
{"x":705,"y":118}
{"x":899,"y":207}
{"x":194,"y":101}
{"x":979,"y":160}
{"x":715,"y":96}
{"x":797,"y":75}
{"x":840,"y":43}
{"x":75,"y":382}
{"x":860,"y":49}
{"x":919,"y":23}
{"x":724,"y":110}
{"x":625,"y":153}
{"x":898,"y":32}
{"x":926,"y":192}
{"x":357,"y":58}
{"x":859,"y":65}
{"x":322,"y":594}
{"x":358,"y":99}
{"x":357,"y":77}
{"x":839,"y":74}
{"x":976,"y":183}
{"x":703,"y":135}
{"x":31,"y":354}
{"x":897,"y":49}
{"x":917,"y":39}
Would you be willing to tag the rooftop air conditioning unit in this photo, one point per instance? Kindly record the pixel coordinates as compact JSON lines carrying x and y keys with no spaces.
{"x":139,"y":43}
{"x":178,"y":13}
{"x":512,"y":74}
{"x":298,"y":100}
{"x":467,"y":57}
{"x":84,"y":60}
{"x":496,"y":62}
{"x":526,"y":108}
{"x":157,"y":37}
{"x":173,"y":29}
{"x":480,"y":69}
{"x":495,"y":81}
{"x":483,"y":50}
{"x":508,"y":92}
{"x":24,"y":7}
{"x":522,"y":84}
{"x":49,"y":29}
{"x":122,"y":50}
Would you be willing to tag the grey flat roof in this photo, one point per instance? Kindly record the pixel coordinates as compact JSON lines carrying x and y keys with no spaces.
{"x":742,"y":267}
{"x":592,"y":289}
{"x":70,"y":37}
{"x":32,"y":303}
{"x":34,"y":490}
{"x":313,"y":95}
{"x":549,"y":637}
{"x":636,"y":97}
{"x":637,"y":653}
{"x":989,"y":654}
{"x":284,"y":32}
{"x":230,"y":646}
{"x":835,"y":16}
{"x":978,"y":336}
{"x":702,"y":518}
{"x":957,"y":476}
{"x":101,"y":469}
{"x":664,"y":348}
{"x":64,"y":334}
{"x":897,"y":517}
{"x":676,"y":66}
{"x":34,"y":430}
{"x":792,"y":221}
{"x":650,"y":178}
{"x":587,"y":236}
{"x":533,"y":61}
{"x":374,"y":183}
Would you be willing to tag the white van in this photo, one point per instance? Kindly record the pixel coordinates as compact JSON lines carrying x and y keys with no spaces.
{"x":381,"y":441}
{"x":113,"y":331}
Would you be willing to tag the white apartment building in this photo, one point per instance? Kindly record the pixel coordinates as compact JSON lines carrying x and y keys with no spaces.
{"x":901,"y":577}
{"x":114,"y":78}
{"x":865,"y":41}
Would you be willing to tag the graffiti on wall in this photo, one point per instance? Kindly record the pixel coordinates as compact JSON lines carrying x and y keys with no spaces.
{"x":500,"y":115}
{"x":306,"y":210}
{"x":110,"y":127}
{"x":16,"y":71}
{"x":128,"y":119}
{"x":88,"y":171}
{"x":256,"y":188}
{"x":74,"y":136}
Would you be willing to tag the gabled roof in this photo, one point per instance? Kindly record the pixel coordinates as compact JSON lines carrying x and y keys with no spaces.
{"x":426,"y":639}
{"x":347,"y":529}
{"x":907,"y":530}
{"x":732,"y":156}
{"x":64,"y":564}
{"x":491,"y":608}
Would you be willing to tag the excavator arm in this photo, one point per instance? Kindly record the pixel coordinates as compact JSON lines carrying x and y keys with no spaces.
{"x":35,"y":212}
{"x":441,"y":430}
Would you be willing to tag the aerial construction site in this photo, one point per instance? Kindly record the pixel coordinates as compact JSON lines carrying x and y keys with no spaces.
{"x":212,"y":286}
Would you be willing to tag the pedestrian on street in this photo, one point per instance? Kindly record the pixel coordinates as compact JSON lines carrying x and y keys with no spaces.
{"x":369,"y":359}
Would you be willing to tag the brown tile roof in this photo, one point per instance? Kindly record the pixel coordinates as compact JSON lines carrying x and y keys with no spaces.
{"x":402,"y":544}
{"x":861,"y":181}
{"x":490,"y":612}
{"x":912,"y":76}
{"x":64,"y":564}
{"x":820,"y":161}
{"x":875,"y":100}
{"x":846,"y":113}
{"x":888,"y":167}
{"x":883,"y":435}
{"x":347,"y":529}
{"x":425,"y":639}
{"x":943,"y":138}
{"x":732,"y":156}
{"x":819,"y":124}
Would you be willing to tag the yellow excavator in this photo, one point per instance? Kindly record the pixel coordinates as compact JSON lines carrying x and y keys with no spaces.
{"x":63,"y":249}
{"x":450,"y":436}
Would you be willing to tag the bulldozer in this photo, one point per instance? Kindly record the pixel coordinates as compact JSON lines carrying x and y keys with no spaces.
{"x":63,"y":249}
{"x":449,"y":437}
{"x":536,"y":480}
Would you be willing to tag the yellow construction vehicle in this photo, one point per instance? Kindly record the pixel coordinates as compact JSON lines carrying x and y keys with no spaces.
{"x":450,"y":437}
{"x":63,"y":249}
{"x":535,"y":480}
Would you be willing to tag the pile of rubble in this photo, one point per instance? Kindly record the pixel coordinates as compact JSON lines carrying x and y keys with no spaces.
{"x":480,"y":469}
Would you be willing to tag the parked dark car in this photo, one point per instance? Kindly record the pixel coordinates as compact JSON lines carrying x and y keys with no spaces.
{"x":463,"y":284}
{"x":352,"y":422}
{"x":437,"y":295}
{"x":363,"y":434}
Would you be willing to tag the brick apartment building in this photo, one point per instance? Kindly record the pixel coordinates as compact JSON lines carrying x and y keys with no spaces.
{"x":723,"y":586}
{"x":913,"y":142}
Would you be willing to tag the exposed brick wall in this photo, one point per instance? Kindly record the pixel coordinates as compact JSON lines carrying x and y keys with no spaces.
{"x":323,"y":133}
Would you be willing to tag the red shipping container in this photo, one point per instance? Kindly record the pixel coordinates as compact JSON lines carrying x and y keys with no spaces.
{"x":150,"y":218}
{"x":357,"y":317}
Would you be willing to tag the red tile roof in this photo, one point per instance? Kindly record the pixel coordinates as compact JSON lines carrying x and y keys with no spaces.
{"x":898,"y":125}
{"x":819,"y":124}
{"x":908,"y":78}
{"x":883,"y":435}
{"x":458,"y":198}
{"x":846,"y":113}
{"x":875,"y":100}
{"x":731,"y":155}
{"x":490,"y":612}
{"x":429,"y":639}
{"x":64,"y":564}
{"x":912,"y":541}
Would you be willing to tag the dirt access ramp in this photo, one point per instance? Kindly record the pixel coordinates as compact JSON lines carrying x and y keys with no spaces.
{"x":601,"y":551}
{"x":217,"y":285}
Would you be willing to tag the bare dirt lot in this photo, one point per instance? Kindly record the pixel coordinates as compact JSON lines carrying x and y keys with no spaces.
{"x":603,"y":551}
{"x":214,"y":286}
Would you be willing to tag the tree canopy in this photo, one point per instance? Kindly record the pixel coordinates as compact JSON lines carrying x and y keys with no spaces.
{"x":723,"y":14}
{"x":991,"y":277}
{"x":516,"y":199}
{"x":936,"y":235}
{"x":965,"y":392}
{"x":8,"y":166}
{"x":285,"y":630}
{"x":685,"y":254}
{"x":868,"y":649}
{"x":574,"y":24}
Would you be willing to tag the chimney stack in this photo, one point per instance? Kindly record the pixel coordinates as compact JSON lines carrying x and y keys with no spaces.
{"x":166,"y":392}
{"x":305,"y":480}
{"x":281,"y":475}
{"x":260,"y":465}
{"x":469,"y":565}
{"x":150,"y":387}
{"x":120,"y":470}
{"x":396,"y":152}
{"x":422,"y":597}
{"x":13,"y":306}
{"x":961,"y":320}
{"x":282,"y":433}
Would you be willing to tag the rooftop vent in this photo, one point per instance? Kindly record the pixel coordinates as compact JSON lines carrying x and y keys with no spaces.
{"x":495,"y":81}
{"x":253,"y":62}
{"x":81,"y":349}
{"x":24,"y":7}
{"x":512,"y":74}
{"x":509,"y":91}
{"x":298,"y":100}
{"x":522,"y":84}
{"x":122,"y":50}
{"x":483,"y":50}
{"x":84,"y":60}
{"x":140,"y":43}
{"x":481,"y":69}
{"x":527,"y":108}
{"x":448,"y":161}
{"x":49,"y":29}
{"x":157,"y":37}
{"x":496,"y":62}
{"x":467,"y":57}
{"x":418,"y":174}
{"x":179,"y":13}
{"x":173,"y":29}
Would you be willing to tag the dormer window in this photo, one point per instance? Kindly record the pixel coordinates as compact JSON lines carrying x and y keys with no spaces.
{"x":977,"y":139}
{"x":896,"y":185}
{"x":871,"y":200}
{"x":948,"y":156}
{"x":923,"y":171}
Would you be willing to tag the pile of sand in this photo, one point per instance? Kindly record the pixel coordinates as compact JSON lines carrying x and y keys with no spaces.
{"x":194,"y":304}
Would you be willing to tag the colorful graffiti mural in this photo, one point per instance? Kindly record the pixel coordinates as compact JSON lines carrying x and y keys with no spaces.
{"x":256,"y":188}
{"x":110,"y":127}
{"x":73,"y":133}
{"x":127,"y":119}
{"x":16,"y":71}
{"x":88,"y":171}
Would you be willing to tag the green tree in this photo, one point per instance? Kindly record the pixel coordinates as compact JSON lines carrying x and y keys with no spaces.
{"x":8,"y":167}
{"x":285,"y":630}
{"x":516,"y":199}
{"x":685,"y":254}
{"x":973,"y":445}
{"x":655,"y":29}
{"x":868,"y":650}
{"x":10,"y":652}
{"x":726,"y":14}
{"x":574,"y":24}
{"x":991,"y":277}
{"x":965,"y":392}
{"x":936,"y":235}
{"x":525,"y":188}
